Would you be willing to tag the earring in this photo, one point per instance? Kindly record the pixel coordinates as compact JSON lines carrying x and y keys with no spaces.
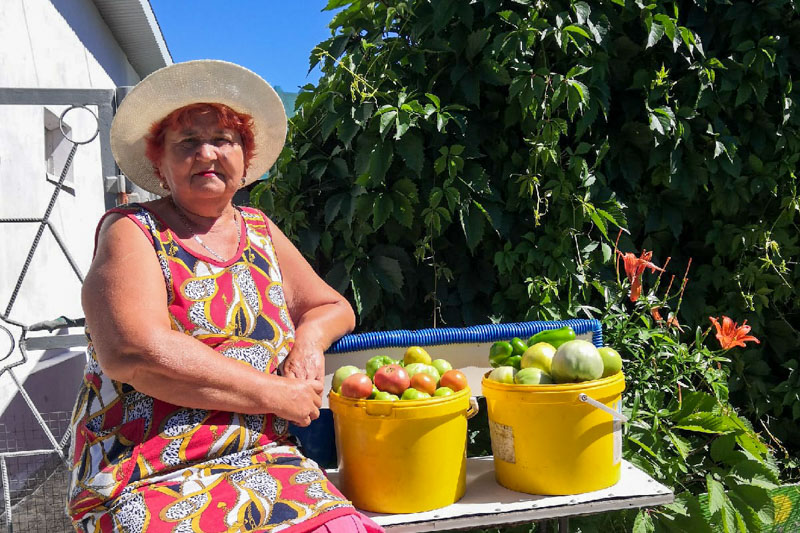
{"x":244,"y":180}
{"x":164,"y":185}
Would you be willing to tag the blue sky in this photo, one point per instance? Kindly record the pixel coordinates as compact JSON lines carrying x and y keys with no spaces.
{"x":273,"y":38}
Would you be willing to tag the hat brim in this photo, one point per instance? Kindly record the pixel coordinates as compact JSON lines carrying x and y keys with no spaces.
{"x":191,"y":82}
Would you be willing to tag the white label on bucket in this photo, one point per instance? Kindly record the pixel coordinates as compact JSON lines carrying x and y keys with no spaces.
{"x":502,"y":442}
{"x":617,"y":433}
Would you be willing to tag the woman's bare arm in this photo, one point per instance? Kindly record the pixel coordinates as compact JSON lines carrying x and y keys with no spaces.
{"x":320,"y":314}
{"x":124,"y":299}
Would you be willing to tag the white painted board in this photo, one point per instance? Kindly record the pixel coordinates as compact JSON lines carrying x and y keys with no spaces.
{"x":486,"y":503}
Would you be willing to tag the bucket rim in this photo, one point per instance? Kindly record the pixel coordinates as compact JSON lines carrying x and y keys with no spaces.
{"x":553,"y":388}
{"x":336,"y":398}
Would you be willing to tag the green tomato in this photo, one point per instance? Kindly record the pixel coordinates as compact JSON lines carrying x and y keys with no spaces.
{"x":443,"y":391}
{"x":341,"y":374}
{"x":499,"y":352}
{"x":414,"y":394}
{"x":374,"y":363}
{"x":532,"y":376}
{"x":503,"y":374}
{"x":413,"y":368}
{"x":416,"y":354}
{"x":540,"y":355}
{"x":386,"y":396}
{"x":441,"y":366}
{"x":576,"y":361}
{"x":374,"y":392}
{"x":612,"y":361}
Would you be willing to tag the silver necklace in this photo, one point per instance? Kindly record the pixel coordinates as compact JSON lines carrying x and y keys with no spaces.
{"x":188,"y":225}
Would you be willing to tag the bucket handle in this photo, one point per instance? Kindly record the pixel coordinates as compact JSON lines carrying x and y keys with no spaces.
{"x":594,"y":403}
{"x":473,"y":409}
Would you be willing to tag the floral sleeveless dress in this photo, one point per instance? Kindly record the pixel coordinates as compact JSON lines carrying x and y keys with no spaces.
{"x":141,"y":464}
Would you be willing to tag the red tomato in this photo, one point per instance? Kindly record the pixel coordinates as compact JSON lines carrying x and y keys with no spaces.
{"x":357,"y":386}
{"x":455,"y":379}
{"x":424,"y":382}
{"x":392,"y":378}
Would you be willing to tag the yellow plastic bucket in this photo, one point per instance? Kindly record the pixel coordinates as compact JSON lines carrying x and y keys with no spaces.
{"x":556,"y":439}
{"x":404,"y":456}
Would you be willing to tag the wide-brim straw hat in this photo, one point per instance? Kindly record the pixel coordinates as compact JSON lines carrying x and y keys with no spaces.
{"x":192,"y":82}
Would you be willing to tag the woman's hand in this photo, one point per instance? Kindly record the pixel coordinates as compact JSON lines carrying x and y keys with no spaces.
{"x":320,"y":314}
{"x":305,"y":362}
{"x":303,"y":399}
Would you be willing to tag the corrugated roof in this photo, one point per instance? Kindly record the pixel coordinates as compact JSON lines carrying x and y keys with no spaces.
{"x":135,"y":27}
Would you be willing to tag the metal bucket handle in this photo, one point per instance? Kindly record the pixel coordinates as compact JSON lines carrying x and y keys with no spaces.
{"x":594,"y":403}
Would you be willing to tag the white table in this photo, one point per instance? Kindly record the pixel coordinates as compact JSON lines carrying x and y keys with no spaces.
{"x":486,"y":503}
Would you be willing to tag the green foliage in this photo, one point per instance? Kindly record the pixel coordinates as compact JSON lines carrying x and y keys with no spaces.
{"x":684,"y":430}
{"x":461,"y":162}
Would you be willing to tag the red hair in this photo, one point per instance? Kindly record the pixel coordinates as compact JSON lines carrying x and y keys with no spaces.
{"x":182,"y":118}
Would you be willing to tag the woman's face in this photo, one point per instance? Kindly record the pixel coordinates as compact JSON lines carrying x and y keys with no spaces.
{"x":203,"y":160}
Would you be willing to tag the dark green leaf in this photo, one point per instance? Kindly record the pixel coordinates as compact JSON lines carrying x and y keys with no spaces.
{"x":472,"y":224}
{"x":329,"y":123}
{"x":382,"y":210}
{"x":411,"y":150}
{"x":338,"y":277}
{"x":333,"y":205}
{"x":388,"y":273}
{"x":435,"y":197}
{"x":379,"y":161}
{"x":346,"y":129}
{"x":365,"y":290}
{"x":476,"y":41}
{"x":403,"y":212}
{"x":406,"y":187}
{"x":387,"y":121}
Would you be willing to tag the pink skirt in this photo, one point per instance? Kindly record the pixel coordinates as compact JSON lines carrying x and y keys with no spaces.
{"x":351,"y":523}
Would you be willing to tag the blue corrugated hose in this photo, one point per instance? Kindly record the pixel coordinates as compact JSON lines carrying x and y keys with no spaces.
{"x":469,"y":335}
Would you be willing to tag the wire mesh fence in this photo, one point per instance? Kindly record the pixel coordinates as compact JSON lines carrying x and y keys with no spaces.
{"x":34,"y":486}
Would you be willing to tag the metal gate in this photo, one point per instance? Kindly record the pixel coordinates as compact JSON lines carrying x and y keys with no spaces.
{"x":33,"y":475}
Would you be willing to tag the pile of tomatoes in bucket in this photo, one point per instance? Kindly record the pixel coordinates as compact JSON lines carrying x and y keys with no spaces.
{"x":551,"y":356}
{"x":415,"y":377}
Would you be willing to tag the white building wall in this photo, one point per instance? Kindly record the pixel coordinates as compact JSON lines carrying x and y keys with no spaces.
{"x":62,"y":44}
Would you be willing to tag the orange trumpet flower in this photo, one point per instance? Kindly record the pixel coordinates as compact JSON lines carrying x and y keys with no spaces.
{"x":635,"y":267}
{"x":730,"y":334}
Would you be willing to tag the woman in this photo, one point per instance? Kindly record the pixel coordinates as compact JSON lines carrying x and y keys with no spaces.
{"x":192,"y":306}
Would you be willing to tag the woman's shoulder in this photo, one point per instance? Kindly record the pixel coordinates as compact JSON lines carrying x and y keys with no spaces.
{"x":141,"y":215}
{"x":145,"y":213}
{"x":127,"y":210}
